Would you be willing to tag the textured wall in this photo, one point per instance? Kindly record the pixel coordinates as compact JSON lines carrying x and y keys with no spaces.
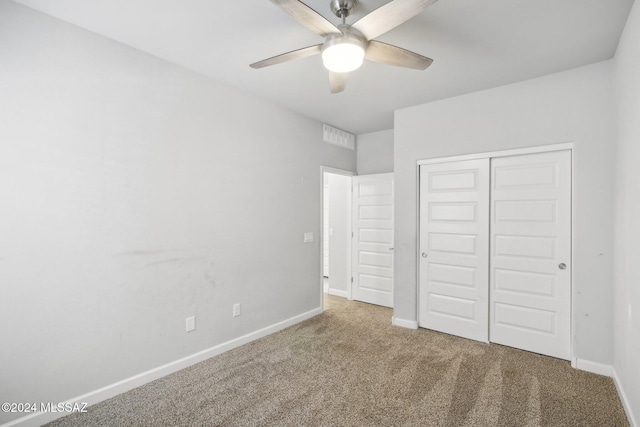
{"x":375,"y":152}
{"x":627,"y":212}
{"x":134,"y":194}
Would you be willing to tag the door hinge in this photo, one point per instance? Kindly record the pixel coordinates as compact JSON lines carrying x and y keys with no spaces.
{"x":352,"y":234}
{"x":352,"y":280}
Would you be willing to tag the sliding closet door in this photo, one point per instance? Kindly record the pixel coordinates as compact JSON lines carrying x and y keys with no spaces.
{"x":531,"y":252}
{"x":454,"y":233}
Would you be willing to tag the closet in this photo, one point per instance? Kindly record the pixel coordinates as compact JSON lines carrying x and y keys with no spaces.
{"x":495,"y":249}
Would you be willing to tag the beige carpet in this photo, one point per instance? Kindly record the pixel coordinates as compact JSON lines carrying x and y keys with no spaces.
{"x":350,"y":367}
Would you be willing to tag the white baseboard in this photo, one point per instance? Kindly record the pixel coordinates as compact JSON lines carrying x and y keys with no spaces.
{"x":625,"y":401}
{"x":409,"y":324}
{"x":96,"y":396}
{"x":338,"y":293}
{"x":594,"y":367}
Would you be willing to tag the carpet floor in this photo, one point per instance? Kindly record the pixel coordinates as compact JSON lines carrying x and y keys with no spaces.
{"x":350,"y":367}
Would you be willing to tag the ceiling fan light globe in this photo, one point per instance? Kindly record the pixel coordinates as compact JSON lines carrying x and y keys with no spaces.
{"x":343,"y":57}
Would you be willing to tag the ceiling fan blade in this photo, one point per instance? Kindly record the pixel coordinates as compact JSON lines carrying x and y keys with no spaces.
{"x":337,"y":81}
{"x":393,"y":55}
{"x":307,"y":17}
{"x":389,"y":16}
{"x":289,"y":56}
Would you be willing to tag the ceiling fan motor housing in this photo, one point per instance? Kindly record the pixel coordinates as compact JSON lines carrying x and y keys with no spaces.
{"x":342,"y":8}
{"x":348,"y":34}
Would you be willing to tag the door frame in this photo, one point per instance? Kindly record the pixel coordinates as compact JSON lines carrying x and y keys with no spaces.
{"x":335,"y":171}
{"x":505,"y":153}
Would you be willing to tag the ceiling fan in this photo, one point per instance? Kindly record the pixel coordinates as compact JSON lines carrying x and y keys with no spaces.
{"x":346,"y":46}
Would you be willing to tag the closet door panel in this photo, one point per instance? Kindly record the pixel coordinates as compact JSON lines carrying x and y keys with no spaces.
{"x":530,"y":290}
{"x":454,"y":219}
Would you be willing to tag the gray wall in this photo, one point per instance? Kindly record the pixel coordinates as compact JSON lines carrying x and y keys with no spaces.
{"x":626,"y":304}
{"x":375,"y":152}
{"x":576,"y":106}
{"x":134,"y":194}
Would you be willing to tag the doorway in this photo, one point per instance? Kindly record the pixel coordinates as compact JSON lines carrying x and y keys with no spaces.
{"x":357,"y":236}
{"x":336,"y":232}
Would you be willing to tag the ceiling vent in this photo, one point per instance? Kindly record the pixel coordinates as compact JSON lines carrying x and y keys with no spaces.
{"x":339,"y":137}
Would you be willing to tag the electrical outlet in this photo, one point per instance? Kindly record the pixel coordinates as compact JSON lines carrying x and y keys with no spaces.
{"x":236,"y":310}
{"x":191,"y":323}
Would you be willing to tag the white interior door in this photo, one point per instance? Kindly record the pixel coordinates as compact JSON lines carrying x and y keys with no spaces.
{"x":372,"y":256}
{"x":454,"y":248}
{"x":531,"y":252}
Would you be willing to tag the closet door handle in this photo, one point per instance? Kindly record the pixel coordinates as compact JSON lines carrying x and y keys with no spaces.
{"x":562,"y":266}
{"x":424,"y":254}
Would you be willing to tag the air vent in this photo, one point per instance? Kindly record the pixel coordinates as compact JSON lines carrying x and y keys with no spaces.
{"x":339,"y":137}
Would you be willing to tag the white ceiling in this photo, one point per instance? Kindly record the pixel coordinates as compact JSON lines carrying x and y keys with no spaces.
{"x":475,"y":44}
